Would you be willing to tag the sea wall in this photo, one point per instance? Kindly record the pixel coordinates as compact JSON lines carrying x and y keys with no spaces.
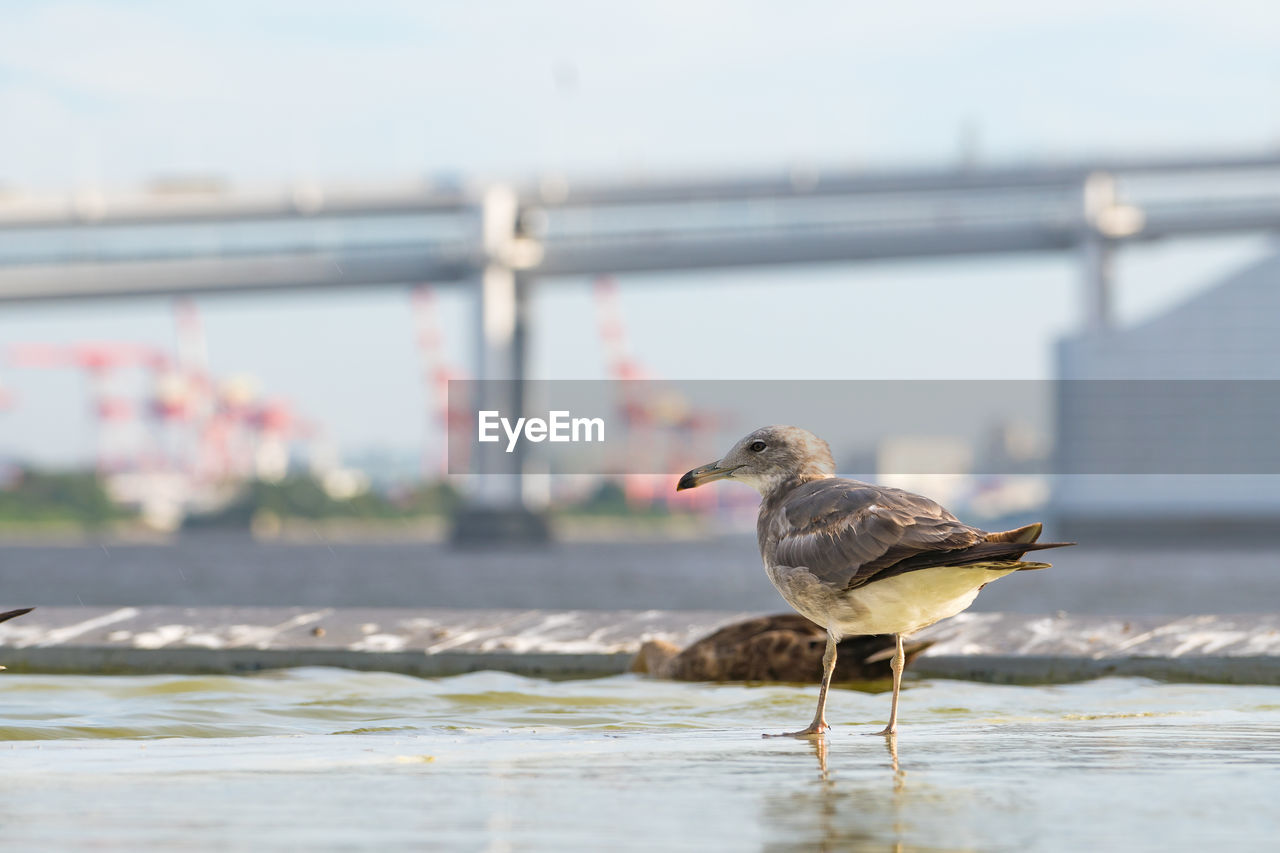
{"x":577,"y":643}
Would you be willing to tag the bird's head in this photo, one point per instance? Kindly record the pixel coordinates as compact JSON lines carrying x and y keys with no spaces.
{"x":768,"y":458}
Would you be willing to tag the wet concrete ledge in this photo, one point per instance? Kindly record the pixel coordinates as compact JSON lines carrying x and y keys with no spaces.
{"x":1013,"y":648}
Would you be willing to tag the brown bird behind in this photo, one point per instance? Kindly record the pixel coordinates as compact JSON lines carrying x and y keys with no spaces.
{"x":785,"y":647}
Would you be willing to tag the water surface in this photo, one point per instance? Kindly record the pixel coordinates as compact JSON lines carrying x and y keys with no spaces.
{"x":330,"y":759}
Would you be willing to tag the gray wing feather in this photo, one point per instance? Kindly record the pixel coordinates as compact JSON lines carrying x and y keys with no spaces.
{"x":848,"y":533}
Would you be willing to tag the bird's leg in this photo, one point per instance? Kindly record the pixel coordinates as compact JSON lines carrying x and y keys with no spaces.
{"x":899,"y":661}
{"x":819,"y":724}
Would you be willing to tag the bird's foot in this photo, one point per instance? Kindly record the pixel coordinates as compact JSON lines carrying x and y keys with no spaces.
{"x":887,"y":731}
{"x":814,"y":730}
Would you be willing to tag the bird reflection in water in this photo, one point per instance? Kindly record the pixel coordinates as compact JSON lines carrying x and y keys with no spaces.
{"x":899,"y":775}
{"x":820,"y":750}
{"x":858,"y":801}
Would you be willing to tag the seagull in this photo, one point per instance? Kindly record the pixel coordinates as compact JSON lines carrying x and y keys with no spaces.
{"x":858,"y":558}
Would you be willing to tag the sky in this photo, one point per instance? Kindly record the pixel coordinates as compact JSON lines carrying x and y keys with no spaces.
{"x":112,"y":95}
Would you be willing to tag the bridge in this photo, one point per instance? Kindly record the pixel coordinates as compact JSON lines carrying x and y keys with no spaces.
{"x":206,"y":238}
{"x":499,"y":239}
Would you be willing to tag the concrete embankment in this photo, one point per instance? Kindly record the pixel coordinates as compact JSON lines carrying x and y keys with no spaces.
{"x":569,"y":643}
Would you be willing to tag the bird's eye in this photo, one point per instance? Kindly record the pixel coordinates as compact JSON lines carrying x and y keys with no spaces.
{"x":757,"y":446}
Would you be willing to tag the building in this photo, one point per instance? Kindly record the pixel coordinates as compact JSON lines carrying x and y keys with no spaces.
{"x":1170,"y":429}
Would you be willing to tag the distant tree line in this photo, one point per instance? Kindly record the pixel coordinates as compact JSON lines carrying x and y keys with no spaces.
{"x":78,"y":498}
{"x":304,"y":497}
{"x":48,"y":497}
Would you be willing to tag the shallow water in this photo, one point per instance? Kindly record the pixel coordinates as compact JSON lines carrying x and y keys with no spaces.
{"x":330,"y":759}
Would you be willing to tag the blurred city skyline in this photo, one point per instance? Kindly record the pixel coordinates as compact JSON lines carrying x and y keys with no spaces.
{"x":118,"y":95}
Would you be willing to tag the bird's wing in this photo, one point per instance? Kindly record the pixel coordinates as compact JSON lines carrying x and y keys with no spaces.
{"x":849,"y":533}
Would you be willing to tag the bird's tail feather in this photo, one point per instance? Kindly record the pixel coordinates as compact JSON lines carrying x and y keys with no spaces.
{"x":1027,"y":534}
{"x":983,"y":552}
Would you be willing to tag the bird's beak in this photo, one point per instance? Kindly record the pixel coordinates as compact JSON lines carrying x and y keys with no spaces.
{"x":705,"y":474}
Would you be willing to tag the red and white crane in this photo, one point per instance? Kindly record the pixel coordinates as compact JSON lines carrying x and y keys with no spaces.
{"x":206,"y":431}
{"x":437,"y":372}
{"x":115,"y":413}
{"x":662,"y":427}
